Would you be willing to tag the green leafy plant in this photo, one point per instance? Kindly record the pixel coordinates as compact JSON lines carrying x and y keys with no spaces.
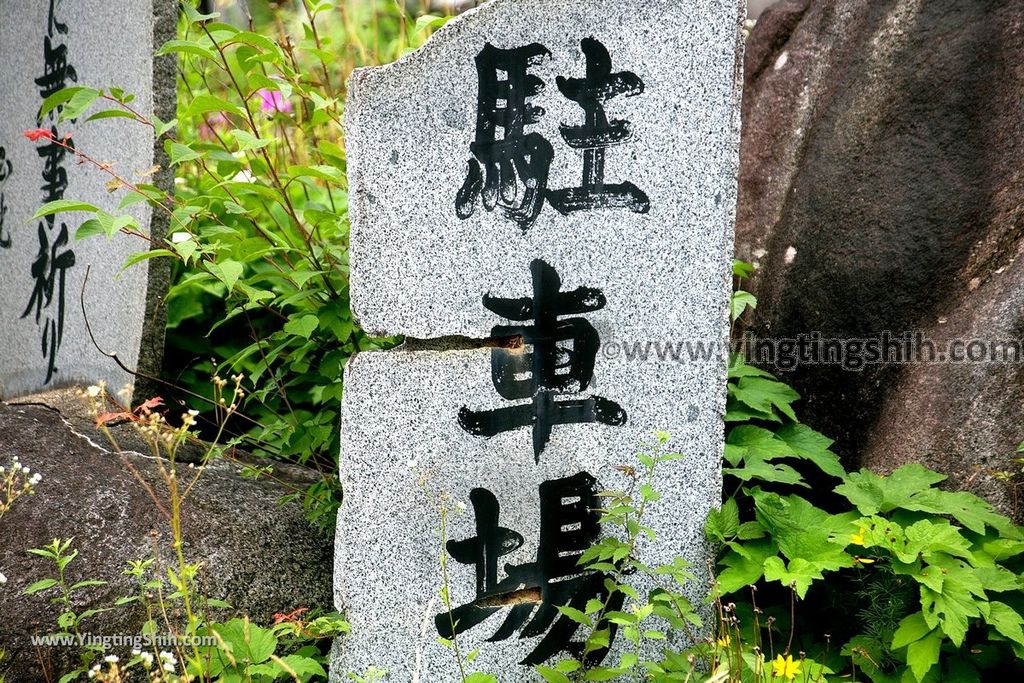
{"x":258,"y":232}
{"x":939,"y":571}
{"x":63,"y":591}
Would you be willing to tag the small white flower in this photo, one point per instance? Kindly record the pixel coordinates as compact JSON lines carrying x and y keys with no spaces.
{"x":147,"y":659}
{"x":93,"y":391}
{"x":111,"y":659}
{"x":36,"y":478}
{"x":169,"y":668}
{"x":92,"y":673}
{"x":3,"y":579}
{"x":411,"y":464}
{"x":460,"y":506}
{"x":2,"y":470}
{"x":136,"y":652}
{"x":25,"y":470}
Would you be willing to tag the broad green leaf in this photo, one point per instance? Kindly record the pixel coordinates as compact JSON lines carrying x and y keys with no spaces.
{"x":58,"y":98}
{"x":323,"y":172}
{"x":811,"y":445}
{"x":799,"y":573}
{"x":110,"y":114}
{"x":79,"y":102}
{"x":140,"y":256}
{"x":723,"y":523}
{"x":999,"y":579}
{"x":186,"y":47}
{"x":759,"y":470}
{"x":63,"y":206}
{"x":741,"y":268}
{"x":966,"y":508}
{"x":430,"y":21}
{"x":1006,"y":620}
{"x":739,"y":368}
{"x":303,"y":326}
{"x":739,"y":302}
{"x":923,"y":654}
{"x":89,"y":228}
{"x":477,"y":677}
{"x":576,"y":615}
{"x":303,"y":667}
{"x":872,"y":494}
{"x":203,"y":104}
{"x":247,"y":141}
{"x":744,"y":564}
{"x":180,"y":153}
{"x":763,"y":395}
{"x":227,"y":272}
{"x":744,"y":441}
{"x":911,"y":628}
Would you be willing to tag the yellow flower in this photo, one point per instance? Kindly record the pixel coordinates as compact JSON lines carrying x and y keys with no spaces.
{"x":785,"y":667}
{"x":857,"y":538}
{"x":724,"y":642}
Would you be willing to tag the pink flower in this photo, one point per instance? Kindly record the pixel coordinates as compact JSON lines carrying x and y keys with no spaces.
{"x":272,"y":101}
{"x":210,"y":126}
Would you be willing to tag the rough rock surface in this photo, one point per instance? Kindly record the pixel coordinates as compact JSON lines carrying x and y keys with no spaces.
{"x":881,"y":190}
{"x":258,"y":556}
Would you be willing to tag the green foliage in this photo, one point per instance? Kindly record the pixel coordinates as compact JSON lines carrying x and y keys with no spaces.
{"x":62,"y":593}
{"x":259,"y":217}
{"x":939,"y":571}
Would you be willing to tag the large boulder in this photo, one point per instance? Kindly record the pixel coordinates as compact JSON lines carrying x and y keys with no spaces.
{"x":881,"y":191}
{"x":260,"y":557}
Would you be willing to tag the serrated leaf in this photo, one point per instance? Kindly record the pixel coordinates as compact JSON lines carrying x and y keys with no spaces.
{"x":744,"y":441}
{"x":800,"y":573}
{"x":759,"y":470}
{"x":738,"y":367}
{"x":872,"y":494}
{"x":811,"y":445}
{"x":744,"y":564}
{"x":1006,"y":621}
{"x":576,"y":615}
{"x":764,"y":394}
{"x":923,"y":654}
{"x":910,"y":629}
{"x":723,"y":523}
{"x":740,"y":302}
{"x":742,"y":268}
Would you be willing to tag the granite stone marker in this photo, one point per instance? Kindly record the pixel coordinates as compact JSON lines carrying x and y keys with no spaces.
{"x":46,"y":45}
{"x":538,"y":194}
